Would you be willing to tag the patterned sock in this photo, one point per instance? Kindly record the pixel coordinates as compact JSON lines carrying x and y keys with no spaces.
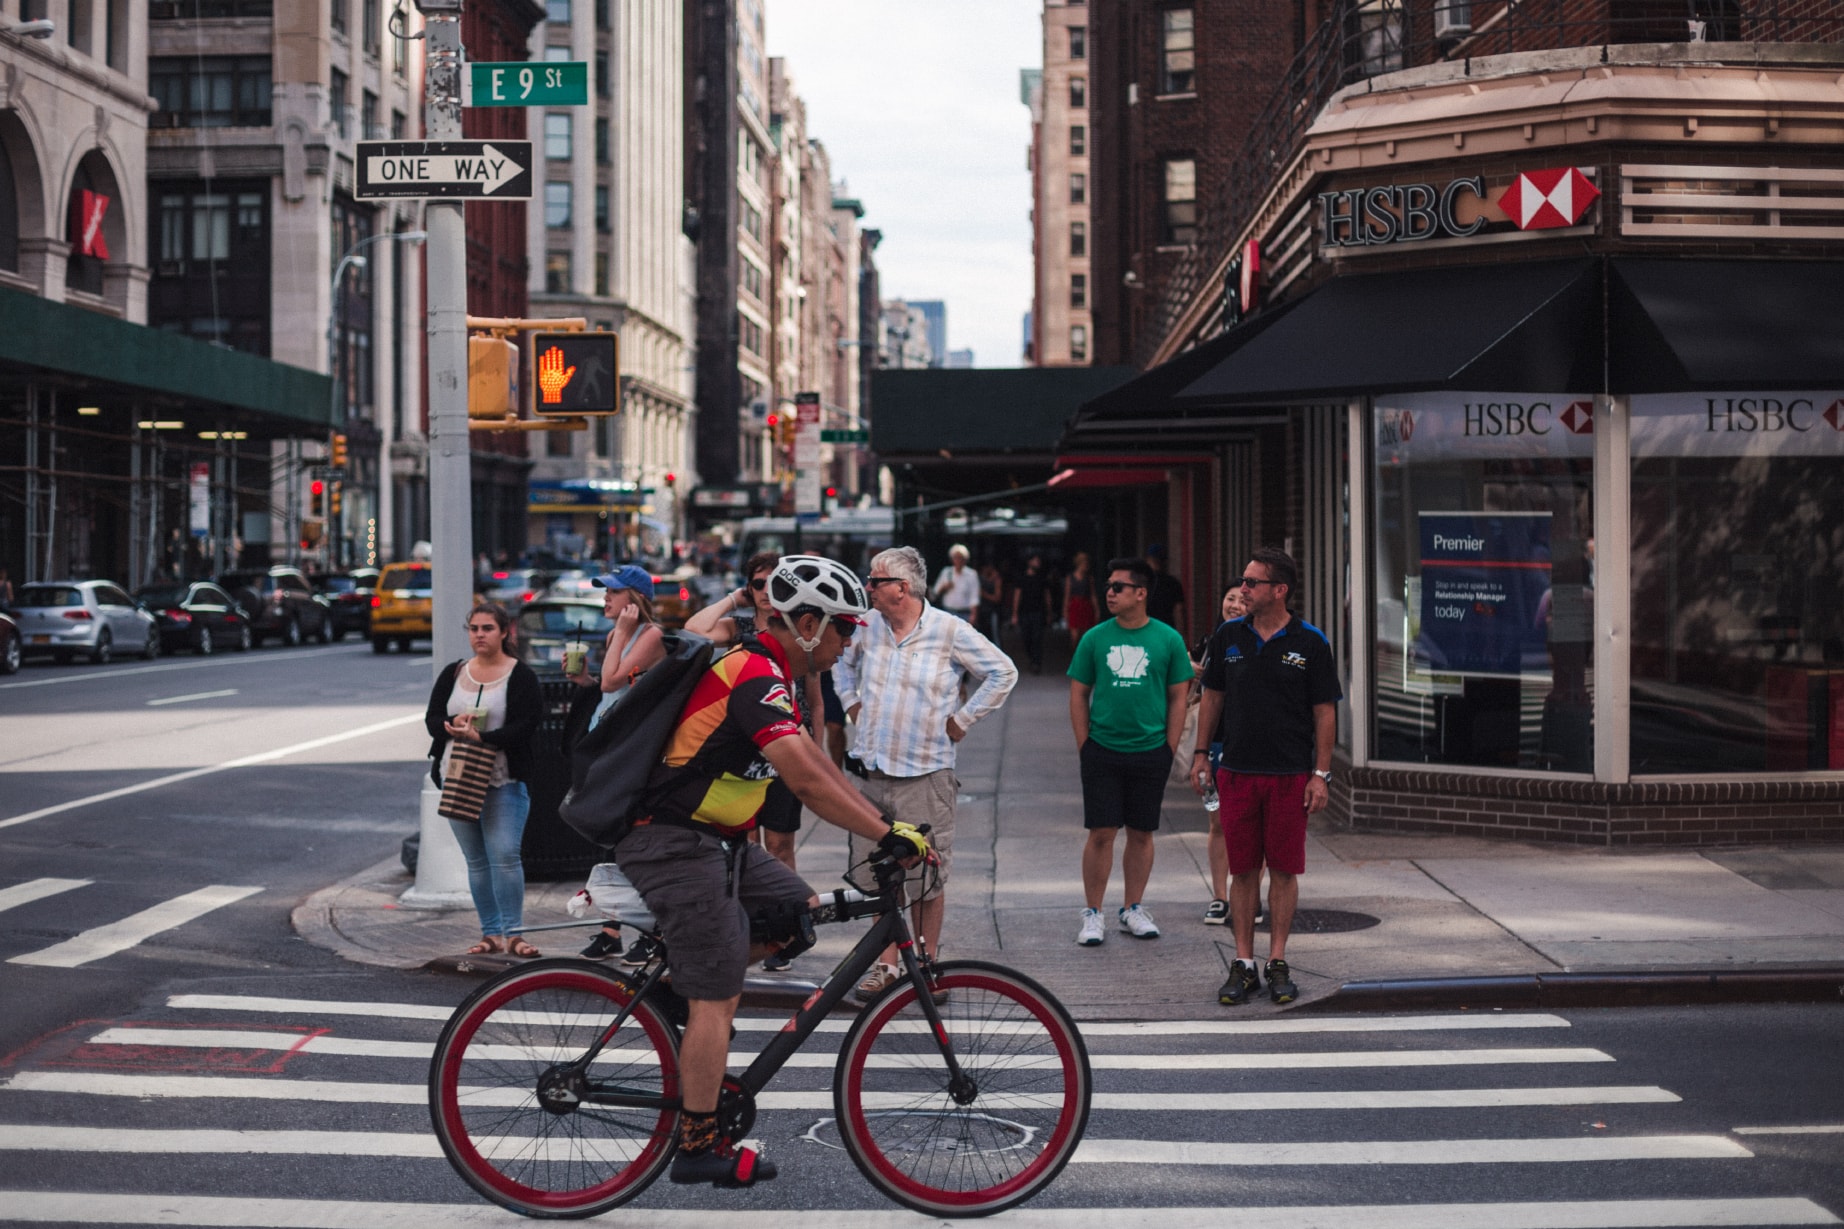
{"x":697,"y":1132}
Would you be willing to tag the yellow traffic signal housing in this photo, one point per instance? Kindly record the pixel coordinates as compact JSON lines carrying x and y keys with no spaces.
{"x":492,"y":378}
{"x":333,"y":503}
{"x":575,"y":375}
{"x":338,"y":454}
{"x":787,"y":429}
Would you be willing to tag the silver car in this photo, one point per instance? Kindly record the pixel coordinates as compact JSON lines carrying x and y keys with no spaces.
{"x":93,"y":617}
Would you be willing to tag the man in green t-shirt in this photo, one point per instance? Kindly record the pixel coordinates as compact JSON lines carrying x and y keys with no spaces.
{"x":1127,"y":690}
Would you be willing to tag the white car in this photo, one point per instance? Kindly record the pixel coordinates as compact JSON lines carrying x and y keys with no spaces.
{"x":93,"y":617}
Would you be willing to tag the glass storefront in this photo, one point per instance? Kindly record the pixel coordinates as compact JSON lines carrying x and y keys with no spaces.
{"x":1738,"y":582}
{"x":1484,"y":575}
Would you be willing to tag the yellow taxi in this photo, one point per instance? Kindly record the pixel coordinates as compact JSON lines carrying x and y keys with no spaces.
{"x":402,"y":606}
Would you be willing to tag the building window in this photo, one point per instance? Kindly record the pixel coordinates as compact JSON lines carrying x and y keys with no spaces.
{"x":601,"y":274}
{"x":368,"y":117}
{"x":1078,"y":188}
{"x":752,"y":279}
{"x":1078,"y":140}
{"x":352,"y":225}
{"x":9,"y":214}
{"x":1078,"y":290}
{"x":399,"y":125}
{"x":340,"y":10}
{"x":400,"y":54}
{"x":336,"y":101}
{"x":557,"y":204}
{"x":557,"y":12}
{"x":557,"y":136}
{"x":1078,"y":239}
{"x":601,"y":15}
{"x":1178,"y":222}
{"x":752,"y":221}
{"x":209,"y":91}
{"x":368,"y":37}
{"x":175,"y":10}
{"x":1078,"y":42}
{"x":601,"y":74}
{"x":1078,"y":93}
{"x":1078,"y":343}
{"x":557,"y":273}
{"x":604,"y":223}
{"x":209,"y":248}
{"x":1484,"y":557}
{"x":601,"y":142}
{"x":557,"y":53}
{"x":1177,"y":52}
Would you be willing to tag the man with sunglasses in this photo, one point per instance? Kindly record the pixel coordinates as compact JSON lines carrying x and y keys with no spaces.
{"x":1270,"y":696}
{"x":1128,"y":683}
{"x":900,"y":680}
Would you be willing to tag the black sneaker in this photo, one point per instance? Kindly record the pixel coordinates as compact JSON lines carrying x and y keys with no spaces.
{"x":641,"y":953}
{"x":1261,"y":913}
{"x":722,"y":1166}
{"x":1243,"y":982}
{"x":602,"y":946}
{"x":1280,"y":982}
{"x":1217,"y":914}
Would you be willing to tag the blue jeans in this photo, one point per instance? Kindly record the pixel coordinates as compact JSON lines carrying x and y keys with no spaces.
{"x":495,"y":876}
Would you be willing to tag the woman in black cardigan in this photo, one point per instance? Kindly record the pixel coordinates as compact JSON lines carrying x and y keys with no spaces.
{"x":492,"y":699}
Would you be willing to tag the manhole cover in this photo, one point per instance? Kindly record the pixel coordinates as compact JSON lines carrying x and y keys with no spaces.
{"x":955,"y":1132}
{"x":1328,"y":922}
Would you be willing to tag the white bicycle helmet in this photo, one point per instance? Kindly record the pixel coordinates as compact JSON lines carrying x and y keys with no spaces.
{"x":802,"y":584}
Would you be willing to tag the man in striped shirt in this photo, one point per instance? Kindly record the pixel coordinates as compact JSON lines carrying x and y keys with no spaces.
{"x":900,"y":680}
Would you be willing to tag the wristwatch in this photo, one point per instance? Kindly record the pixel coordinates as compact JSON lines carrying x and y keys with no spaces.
{"x":1323,"y":776}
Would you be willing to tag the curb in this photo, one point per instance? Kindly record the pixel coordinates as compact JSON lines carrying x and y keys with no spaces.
{"x":1823,"y":984}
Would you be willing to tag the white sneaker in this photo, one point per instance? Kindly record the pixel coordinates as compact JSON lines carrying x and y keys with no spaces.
{"x":1139,"y":923}
{"x":1090,"y":935}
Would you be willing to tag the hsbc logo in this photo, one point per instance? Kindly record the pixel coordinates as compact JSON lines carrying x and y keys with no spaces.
{"x":1834,"y":414}
{"x":1395,"y":427}
{"x":1545,"y":200}
{"x":1578,"y":417}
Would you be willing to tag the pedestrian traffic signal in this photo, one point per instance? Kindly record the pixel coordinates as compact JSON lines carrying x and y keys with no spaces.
{"x":575,"y":374}
{"x":339,"y":452}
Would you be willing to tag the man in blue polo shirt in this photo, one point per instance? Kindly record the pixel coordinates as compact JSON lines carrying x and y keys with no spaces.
{"x":1270,"y":696}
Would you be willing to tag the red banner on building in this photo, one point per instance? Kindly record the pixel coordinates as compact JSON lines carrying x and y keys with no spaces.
{"x":87,"y":213}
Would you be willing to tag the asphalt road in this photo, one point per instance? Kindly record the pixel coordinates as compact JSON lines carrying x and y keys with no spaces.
{"x":170,"y":1052}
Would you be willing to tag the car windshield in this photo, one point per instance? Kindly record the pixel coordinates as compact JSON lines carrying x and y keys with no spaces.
{"x":165,"y":595}
{"x":416,"y":580}
{"x":570,"y":621}
{"x":256,"y":582}
{"x":336,"y":584}
{"x":51,"y":595}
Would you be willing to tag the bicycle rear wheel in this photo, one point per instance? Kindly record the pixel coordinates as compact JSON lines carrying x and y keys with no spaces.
{"x":511,"y":1112}
{"x":1007,"y":1134}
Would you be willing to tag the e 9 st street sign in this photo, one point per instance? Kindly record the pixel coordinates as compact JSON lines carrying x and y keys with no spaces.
{"x":574,"y":375}
{"x":486,"y":170}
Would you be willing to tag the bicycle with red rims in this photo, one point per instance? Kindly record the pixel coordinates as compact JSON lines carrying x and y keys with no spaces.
{"x":554,"y":1088}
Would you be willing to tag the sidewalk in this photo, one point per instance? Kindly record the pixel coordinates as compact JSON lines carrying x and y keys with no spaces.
{"x":1529,"y":917}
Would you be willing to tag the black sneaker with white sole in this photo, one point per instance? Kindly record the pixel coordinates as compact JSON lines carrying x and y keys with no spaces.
{"x":602,"y":946}
{"x":1243,"y":982}
{"x":1280,"y":982}
{"x":1217,"y":914}
{"x":640,"y":953}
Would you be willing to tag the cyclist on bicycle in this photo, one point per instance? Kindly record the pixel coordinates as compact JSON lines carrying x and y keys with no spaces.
{"x":689,"y":855}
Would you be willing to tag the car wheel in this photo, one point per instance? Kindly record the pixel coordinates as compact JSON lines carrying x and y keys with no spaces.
{"x":9,"y":656}
{"x":335,"y":633}
{"x":244,"y":639}
{"x":403,"y":644}
{"x":150,"y":648}
{"x":202,"y":644}
{"x":291,"y":635}
{"x":104,"y":652}
{"x":380,"y":645}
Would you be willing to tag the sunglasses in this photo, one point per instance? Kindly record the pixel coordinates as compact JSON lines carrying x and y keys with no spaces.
{"x":874,"y":581}
{"x":1121,"y":586}
{"x":1249,"y":582}
{"x":759,"y":583}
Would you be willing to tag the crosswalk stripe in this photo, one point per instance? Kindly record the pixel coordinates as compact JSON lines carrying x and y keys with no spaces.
{"x":1155,"y":1028}
{"x":36,"y":889}
{"x":226,"y":1211}
{"x":359,"y":1048}
{"x":1825,"y":1129}
{"x":1411,"y":1152}
{"x":136,"y":928}
{"x":1092,"y":1151}
{"x":84,"y":1083}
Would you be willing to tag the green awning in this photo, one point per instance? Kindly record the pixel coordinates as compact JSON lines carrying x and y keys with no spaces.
{"x":55,"y":338}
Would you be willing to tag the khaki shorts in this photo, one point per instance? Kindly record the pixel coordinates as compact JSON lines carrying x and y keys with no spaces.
{"x":928,"y":799}
{"x":703,"y":898}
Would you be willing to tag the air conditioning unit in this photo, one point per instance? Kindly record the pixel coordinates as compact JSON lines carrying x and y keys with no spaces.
{"x":1453,"y":18}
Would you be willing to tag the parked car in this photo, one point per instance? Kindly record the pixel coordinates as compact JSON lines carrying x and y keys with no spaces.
{"x":92,"y":617}
{"x":674,"y":598}
{"x":548,"y":624}
{"x":402,"y":606}
{"x":348,"y":596}
{"x":573,"y":584}
{"x":199,"y":616}
{"x":512,"y":587}
{"x":12,"y":651}
{"x":281,"y":604}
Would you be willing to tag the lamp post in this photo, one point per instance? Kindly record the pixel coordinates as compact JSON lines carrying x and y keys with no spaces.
{"x":352,"y":259}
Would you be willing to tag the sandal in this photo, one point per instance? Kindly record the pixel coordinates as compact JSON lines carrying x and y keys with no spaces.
{"x":486,"y":947}
{"x":523,"y":950}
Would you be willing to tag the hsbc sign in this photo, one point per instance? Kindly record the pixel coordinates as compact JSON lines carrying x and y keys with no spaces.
{"x":1742,"y":424}
{"x":1459,"y":209}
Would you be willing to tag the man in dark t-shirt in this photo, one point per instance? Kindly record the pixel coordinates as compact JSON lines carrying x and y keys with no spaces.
{"x":1270,"y":696}
{"x":1166,"y":594}
{"x":1031,"y":610}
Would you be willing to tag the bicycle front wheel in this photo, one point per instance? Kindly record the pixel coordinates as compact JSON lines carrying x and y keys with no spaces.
{"x":989,"y":1142}
{"x":515,"y":1110}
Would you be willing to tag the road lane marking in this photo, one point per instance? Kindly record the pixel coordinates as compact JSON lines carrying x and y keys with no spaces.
{"x":1826,"y":1129}
{"x":247,"y":761}
{"x":1413,"y":1152}
{"x":109,"y":1084}
{"x":75,"y":1207}
{"x":37,"y":889}
{"x":197,"y":695}
{"x":771,"y":1024}
{"x":134,"y":929}
{"x":241,"y":659}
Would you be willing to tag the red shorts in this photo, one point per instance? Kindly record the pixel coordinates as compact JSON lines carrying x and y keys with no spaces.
{"x":1264,"y":819}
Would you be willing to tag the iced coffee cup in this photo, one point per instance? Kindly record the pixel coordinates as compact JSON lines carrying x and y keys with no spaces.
{"x":575,"y":657}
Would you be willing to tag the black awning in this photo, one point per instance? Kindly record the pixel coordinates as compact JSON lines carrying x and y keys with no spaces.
{"x":1150,"y":393}
{"x":1532,"y":327}
{"x":1682,"y":325}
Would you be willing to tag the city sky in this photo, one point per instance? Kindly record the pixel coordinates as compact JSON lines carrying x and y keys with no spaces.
{"x":918,"y":107}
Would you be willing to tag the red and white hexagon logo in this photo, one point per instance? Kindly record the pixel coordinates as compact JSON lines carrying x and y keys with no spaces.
{"x":1543,"y":200}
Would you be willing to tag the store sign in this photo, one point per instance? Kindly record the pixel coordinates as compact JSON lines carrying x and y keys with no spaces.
{"x":1242,"y":284}
{"x":1781,"y":424}
{"x":198,"y":500}
{"x":809,"y":491}
{"x":1459,"y":209}
{"x":1545,"y":200}
{"x":1438,"y":426}
{"x":89,"y":209}
{"x":1484,"y":580}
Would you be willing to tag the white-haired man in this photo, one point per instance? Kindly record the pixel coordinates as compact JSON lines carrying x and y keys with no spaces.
{"x":900,"y":680}
{"x":958,"y":586}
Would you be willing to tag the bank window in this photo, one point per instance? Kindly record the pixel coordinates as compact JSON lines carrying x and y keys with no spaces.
{"x":1078,"y":290}
{"x":557,"y":204}
{"x":1078,"y":93}
{"x":1737,"y":631}
{"x":1078,"y":140}
{"x":1078,"y":42}
{"x":1078,"y":189}
{"x":1078,"y":343}
{"x":1078,"y":239}
{"x":1178,"y":218}
{"x":557,"y":273}
{"x":1177,"y":52}
{"x":557,"y":136}
{"x":1484,"y":549}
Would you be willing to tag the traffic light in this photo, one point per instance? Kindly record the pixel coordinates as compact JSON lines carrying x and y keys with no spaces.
{"x":492,"y":378}
{"x":316,"y":491}
{"x":333,"y":504}
{"x":786,"y":429}
{"x":338,"y":456}
{"x":574,"y":374}
{"x":672,"y":479}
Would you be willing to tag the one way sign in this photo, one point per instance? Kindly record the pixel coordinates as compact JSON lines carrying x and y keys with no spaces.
{"x":494,"y":170}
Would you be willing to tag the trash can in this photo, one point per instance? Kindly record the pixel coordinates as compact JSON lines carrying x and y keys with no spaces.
{"x":552,"y":849}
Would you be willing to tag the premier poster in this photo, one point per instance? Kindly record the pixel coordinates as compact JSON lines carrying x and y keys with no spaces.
{"x":1485,"y":579}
